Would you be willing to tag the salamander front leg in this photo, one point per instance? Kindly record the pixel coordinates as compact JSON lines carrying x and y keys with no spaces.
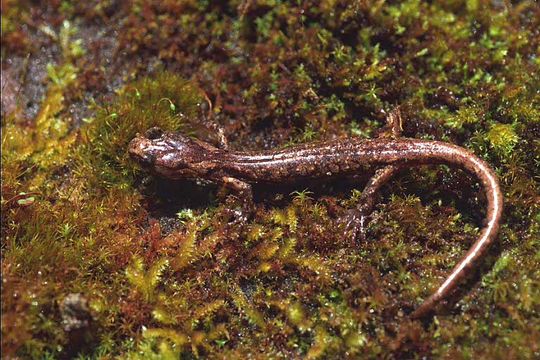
{"x":244,"y":193}
{"x":208,"y":121}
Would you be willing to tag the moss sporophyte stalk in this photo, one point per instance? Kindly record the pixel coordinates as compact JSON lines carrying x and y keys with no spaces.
{"x":102,"y":260}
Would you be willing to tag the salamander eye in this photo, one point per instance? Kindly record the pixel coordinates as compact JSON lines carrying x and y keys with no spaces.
{"x":153,"y":133}
{"x":148,"y":159}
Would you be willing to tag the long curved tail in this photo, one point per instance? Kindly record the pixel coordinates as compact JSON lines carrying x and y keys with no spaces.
{"x":448,"y":153}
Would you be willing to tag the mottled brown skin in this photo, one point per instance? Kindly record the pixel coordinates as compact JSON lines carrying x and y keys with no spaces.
{"x":176,"y":156}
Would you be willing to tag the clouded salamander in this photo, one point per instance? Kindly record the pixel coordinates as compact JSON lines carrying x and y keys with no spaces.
{"x":175,"y":156}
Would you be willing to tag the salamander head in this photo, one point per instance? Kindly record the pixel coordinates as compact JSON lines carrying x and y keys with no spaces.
{"x":171,"y":155}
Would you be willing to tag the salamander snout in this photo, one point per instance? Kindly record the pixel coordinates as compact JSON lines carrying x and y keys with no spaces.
{"x":140,"y":150}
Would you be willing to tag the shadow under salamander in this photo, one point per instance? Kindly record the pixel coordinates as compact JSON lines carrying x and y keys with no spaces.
{"x":165,"y":198}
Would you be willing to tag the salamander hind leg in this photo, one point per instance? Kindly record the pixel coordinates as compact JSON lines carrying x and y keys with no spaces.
{"x":394,"y":124}
{"x":242,"y":192}
{"x":207,"y":120}
{"x":356,"y":219}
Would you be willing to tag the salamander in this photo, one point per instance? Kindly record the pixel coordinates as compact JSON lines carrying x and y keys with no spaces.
{"x":175,"y":156}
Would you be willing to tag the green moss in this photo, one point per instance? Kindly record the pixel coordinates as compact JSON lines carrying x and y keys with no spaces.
{"x":14,"y":38}
{"x":69,"y":221}
{"x":503,"y":138}
{"x":145,"y":282}
{"x":464,"y":116}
